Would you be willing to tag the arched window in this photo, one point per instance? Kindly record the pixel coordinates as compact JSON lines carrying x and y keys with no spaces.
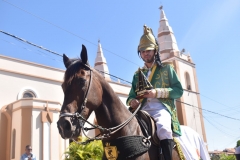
{"x":13,"y":143}
{"x":28,"y":94}
{"x":187,"y":81}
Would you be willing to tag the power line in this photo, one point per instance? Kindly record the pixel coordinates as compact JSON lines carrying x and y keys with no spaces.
{"x":116,"y":55}
{"x":84,"y":40}
{"x":23,"y":40}
{"x":69,"y":32}
{"x":111,"y":75}
{"x":221,"y":131}
{"x":210,"y":111}
{"x":39,"y":52}
{"x":221,"y":103}
{"x":229,"y":129}
{"x":235,"y":140}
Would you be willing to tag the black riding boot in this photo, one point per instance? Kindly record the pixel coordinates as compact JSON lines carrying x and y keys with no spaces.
{"x":237,"y":156}
{"x":167,"y":146}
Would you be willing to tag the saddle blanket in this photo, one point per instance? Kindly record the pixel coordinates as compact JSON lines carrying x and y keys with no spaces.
{"x":192,"y":145}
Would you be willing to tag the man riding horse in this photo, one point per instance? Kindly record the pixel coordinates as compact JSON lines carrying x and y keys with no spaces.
{"x":158,"y":101}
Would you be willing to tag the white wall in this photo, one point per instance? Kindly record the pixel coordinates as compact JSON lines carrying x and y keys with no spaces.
{"x":17,"y":75}
{"x":193,"y":116}
{"x":37,"y":130}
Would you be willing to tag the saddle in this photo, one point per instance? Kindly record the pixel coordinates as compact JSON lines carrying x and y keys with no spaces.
{"x":148,"y":126}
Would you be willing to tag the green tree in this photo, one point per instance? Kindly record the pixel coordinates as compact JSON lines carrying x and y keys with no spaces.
{"x":227,"y":157}
{"x":215,"y":157}
{"x":90,"y":151}
{"x":223,"y":156}
{"x":238,"y":143}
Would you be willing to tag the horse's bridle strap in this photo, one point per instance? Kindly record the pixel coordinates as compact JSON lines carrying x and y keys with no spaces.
{"x":86,"y":94}
{"x":77,"y":115}
{"x":109,"y":131}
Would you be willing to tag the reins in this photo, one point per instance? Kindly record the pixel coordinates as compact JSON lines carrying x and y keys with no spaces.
{"x":110,"y":131}
{"x":107,"y":132}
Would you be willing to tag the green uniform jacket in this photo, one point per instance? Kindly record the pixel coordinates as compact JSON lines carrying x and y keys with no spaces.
{"x":164,"y":77}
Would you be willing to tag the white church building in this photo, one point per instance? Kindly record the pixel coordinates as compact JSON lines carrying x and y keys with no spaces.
{"x":30,"y":101}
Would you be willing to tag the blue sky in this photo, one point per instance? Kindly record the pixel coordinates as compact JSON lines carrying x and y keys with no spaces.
{"x":208,"y":30}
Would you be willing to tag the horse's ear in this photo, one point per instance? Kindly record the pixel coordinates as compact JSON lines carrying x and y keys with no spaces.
{"x":84,"y":55}
{"x":66,"y":61}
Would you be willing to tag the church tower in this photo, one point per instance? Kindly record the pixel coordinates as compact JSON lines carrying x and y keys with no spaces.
{"x":188,"y":115}
{"x":101,"y":63}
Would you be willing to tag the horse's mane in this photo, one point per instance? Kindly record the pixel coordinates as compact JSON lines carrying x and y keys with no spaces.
{"x":72,"y":70}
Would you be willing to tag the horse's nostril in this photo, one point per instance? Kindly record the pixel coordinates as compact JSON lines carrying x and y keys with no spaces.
{"x":67,"y":125}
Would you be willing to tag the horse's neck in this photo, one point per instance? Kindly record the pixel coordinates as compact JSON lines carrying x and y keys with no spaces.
{"x":112,"y":112}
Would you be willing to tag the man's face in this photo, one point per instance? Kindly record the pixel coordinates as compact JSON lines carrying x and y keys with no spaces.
{"x":147,"y":56}
{"x":28,"y":150}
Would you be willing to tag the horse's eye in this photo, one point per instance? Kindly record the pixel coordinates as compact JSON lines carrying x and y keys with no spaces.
{"x":82,"y":72}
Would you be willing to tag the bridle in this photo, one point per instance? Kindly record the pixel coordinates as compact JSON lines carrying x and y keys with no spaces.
{"x":79,"y":116}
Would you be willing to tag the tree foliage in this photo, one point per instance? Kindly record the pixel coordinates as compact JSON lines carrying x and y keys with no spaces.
{"x":227,"y":157}
{"x":238,"y":143}
{"x":90,"y":151}
{"x":223,"y":156}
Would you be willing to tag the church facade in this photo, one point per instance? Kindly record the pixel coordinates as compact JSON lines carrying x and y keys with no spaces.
{"x":189,"y":105}
{"x":31,"y":97}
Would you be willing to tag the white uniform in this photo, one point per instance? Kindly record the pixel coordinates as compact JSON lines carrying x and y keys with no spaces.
{"x":160,"y":114}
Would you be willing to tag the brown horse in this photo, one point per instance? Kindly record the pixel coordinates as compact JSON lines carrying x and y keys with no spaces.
{"x":85,"y":90}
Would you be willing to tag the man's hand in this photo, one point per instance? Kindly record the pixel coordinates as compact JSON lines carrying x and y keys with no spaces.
{"x":150,"y":93}
{"x":30,"y":157}
{"x":134,"y":103}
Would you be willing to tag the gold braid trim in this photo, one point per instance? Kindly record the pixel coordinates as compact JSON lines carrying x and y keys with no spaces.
{"x":179,"y":150}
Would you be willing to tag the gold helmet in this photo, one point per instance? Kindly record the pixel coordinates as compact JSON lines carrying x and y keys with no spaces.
{"x":147,"y":41}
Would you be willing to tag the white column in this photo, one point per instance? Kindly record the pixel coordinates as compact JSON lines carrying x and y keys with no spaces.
{"x":46,"y":141}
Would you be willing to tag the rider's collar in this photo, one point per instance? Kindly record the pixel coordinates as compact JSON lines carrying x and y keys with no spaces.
{"x":150,"y":68}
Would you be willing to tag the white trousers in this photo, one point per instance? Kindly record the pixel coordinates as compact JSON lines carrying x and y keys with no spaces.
{"x":162,"y":117}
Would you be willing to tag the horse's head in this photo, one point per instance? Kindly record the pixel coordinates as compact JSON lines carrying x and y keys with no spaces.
{"x":79,"y":95}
